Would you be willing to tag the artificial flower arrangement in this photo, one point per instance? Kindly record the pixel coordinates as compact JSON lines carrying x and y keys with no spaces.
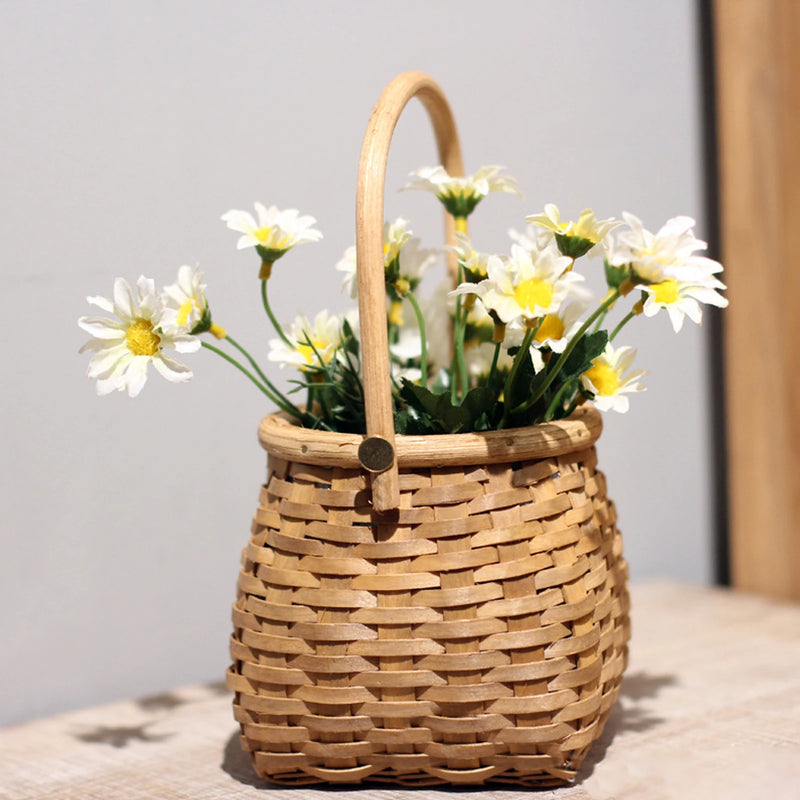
{"x":512,"y":341}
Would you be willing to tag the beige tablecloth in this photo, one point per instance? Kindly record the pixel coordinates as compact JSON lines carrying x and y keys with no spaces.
{"x":710,"y":708}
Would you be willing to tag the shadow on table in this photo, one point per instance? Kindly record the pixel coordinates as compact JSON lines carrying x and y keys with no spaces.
{"x":236,"y":762}
{"x":625,"y":716}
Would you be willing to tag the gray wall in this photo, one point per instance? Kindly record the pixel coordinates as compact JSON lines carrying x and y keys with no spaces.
{"x":128,"y":128}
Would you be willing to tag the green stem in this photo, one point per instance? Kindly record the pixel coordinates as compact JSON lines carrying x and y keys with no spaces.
{"x":600,"y":321}
{"x":423,"y":344}
{"x":493,"y":368}
{"x":290,"y":409}
{"x":267,"y":382}
{"x":310,"y":398}
{"x":271,"y":316}
{"x":556,"y":401}
{"x":458,"y":366}
{"x":512,"y":375}
{"x":462,"y":359}
{"x":621,"y":325}
{"x":253,"y":364}
{"x":610,"y":299}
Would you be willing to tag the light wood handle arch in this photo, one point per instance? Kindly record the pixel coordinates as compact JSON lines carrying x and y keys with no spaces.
{"x":375,"y":364}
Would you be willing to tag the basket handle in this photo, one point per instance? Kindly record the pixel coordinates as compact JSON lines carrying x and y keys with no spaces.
{"x":377,"y":451}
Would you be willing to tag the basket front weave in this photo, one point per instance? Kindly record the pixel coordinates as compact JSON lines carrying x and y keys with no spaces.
{"x":478,"y":636}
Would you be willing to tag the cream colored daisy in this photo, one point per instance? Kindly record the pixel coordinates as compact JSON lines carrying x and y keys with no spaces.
{"x":312,"y":344}
{"x":526,"y":286}
{"x":185,"y":305}
{"x":479,"y":359}
{"x":671,"y":252}
{"x":405,"y":352}
{"x":610,"y":378}
{"x":395,"y":236}
{"x":123,"y":347}
{"x":556,"y":329}
{"x":461,"y":195}
{"x":403,"y":258}
{"x":533,"y":238}
{"x":575,"y":238}
{"x":473,"y":262}
{"x":682,"y":299}
{"x":274,"y":232}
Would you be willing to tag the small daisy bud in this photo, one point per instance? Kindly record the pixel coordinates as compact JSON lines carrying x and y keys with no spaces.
{"x":401,"y":286}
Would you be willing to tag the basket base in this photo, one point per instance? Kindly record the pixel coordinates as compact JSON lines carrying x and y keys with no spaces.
{"x":524,"y":771}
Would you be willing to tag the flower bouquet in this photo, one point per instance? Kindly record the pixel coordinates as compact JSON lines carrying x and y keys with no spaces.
{"x":514,"y":342}
{"x":470,"y":624}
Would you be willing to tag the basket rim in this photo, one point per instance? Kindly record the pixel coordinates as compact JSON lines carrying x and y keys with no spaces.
{"x":280,"y":436}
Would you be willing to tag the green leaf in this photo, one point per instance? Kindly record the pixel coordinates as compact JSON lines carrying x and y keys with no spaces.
{"x":475,"y":409}
{"x":589,"y":346}
{"x":523,"y":383}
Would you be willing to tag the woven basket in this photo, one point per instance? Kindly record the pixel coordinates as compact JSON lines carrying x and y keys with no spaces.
{"x":460,"y":616}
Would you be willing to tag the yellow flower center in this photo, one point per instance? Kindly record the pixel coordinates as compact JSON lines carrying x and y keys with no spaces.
{"x":264,"y":233}
{"x":141,"y":339}
{"x":552,"y":327}
{"x":666,"y":292}
{"x":185,"y":310}
{"x":307,"y":351}
{"x":604,"y":378}
{"x":533,"y":293}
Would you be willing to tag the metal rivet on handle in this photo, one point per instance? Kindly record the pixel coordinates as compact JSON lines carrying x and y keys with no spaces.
{"x":376,"y":454}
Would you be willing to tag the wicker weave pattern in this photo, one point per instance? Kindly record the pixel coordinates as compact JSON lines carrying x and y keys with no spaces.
{"x":479,"y":637}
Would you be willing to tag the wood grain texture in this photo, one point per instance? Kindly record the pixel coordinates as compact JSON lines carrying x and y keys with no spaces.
{"x":688,"y":725}
{"x":479,"y":637}
{"x":369,"y":248}
{"x":758,"y":90}
{"x":281,"y":438}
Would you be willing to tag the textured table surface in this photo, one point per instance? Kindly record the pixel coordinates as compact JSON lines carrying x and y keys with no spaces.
{"x":710,"y":708}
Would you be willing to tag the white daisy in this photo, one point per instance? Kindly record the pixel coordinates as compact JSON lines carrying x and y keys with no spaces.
{"x":682,"y":299}
{"x":412,"y":263}
{"x":123,"y":347}
{"x":479,"y":359}
{"x":473,"y":262}
{"x":558,"y":328}
{"x":461,"y":195}
{"x":185,"y":305}
{"x":574,"y":238}
{"x":610,"y":378}
{"x":533,"y":238}
{"x":313,"y":344}
{"x":403,"y":259}
{"x":395,"y":235}
{"x":274,"y":233}
{"x":348,"y":265}
{"x":406,"y":355}
{"x":438,"y":325}
{"x":669,"y":253}
{"x":526,"y":286}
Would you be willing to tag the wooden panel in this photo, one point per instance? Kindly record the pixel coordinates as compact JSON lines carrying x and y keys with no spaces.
{"x":758,"y":91}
